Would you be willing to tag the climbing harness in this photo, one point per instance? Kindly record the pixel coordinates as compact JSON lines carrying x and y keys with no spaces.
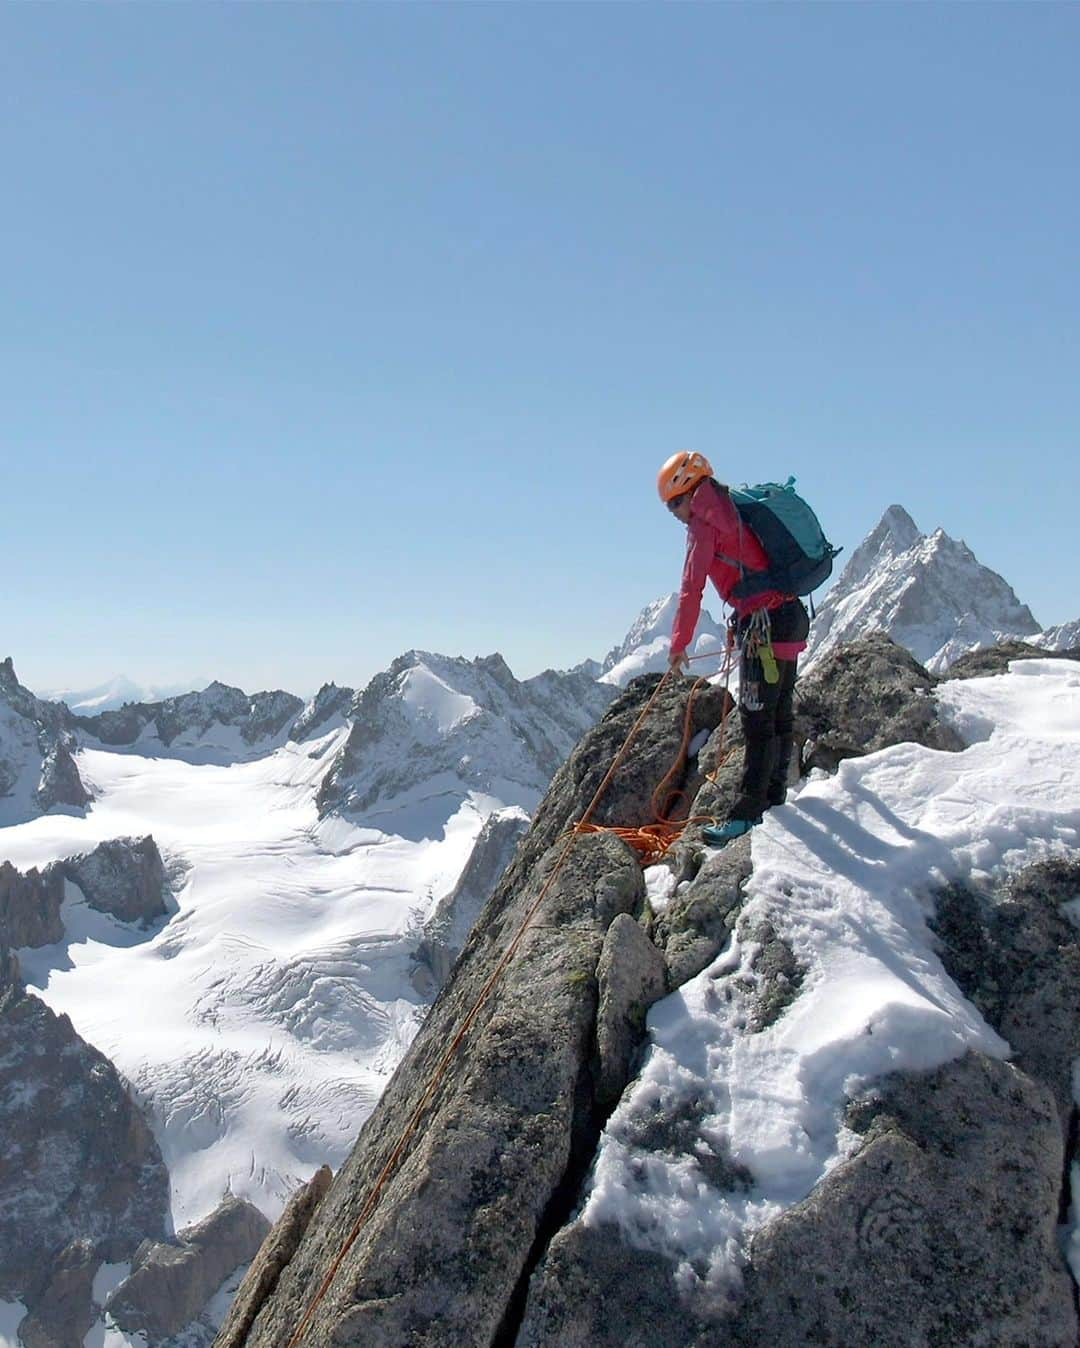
{"x":413,"y":1122}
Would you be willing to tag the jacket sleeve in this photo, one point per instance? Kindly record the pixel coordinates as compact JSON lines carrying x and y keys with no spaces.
{"x":699,"y":553}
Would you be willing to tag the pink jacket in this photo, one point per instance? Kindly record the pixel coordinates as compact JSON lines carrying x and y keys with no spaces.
{"x":716,"y":532}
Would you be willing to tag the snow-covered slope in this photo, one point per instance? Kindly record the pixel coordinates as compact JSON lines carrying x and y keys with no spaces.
{"x":929,"y":593}
{"x":645,"y":648}
{"x":259,"y":1023}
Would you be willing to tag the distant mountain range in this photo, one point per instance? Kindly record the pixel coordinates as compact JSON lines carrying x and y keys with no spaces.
{"x":115,"y":692}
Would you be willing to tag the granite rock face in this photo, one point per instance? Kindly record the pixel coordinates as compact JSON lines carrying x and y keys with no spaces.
{"x":60,"y":781}
{"x":503,"y":1139}
{"x":866,"y":696}
{"x":171,"y":1281}
{"x":439,"y":1259}
{"x":30,"y":906}
{"x":941,"y":1230}
{"x":698,"y":922}
{"x":454,"y":1219}
{"x":61,"y":1311}
{"x":631,"y":976}
{"x":37,"y":739}
{"x":124,"y":877}
{"x":1014,"y":952}
{"x":273,"y":1256}
{"x":78,"y":1161}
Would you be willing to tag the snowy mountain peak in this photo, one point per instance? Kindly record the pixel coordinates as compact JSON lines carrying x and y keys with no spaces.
{"x":893,"y":535}
{"x":899,"y":526}
{"x":928,"y":592}
{"x":1062,"y":637}
{"x":644,"y":649}
{"x":654,"y":620}
{"x":434,"y":731}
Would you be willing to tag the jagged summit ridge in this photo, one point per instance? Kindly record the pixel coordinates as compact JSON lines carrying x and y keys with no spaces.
{"x":436,"y":728}
{"x":928,"y":592}
{"x":37,"y":770}
{"x":1062,"y":637}
{"x":644,"y":649}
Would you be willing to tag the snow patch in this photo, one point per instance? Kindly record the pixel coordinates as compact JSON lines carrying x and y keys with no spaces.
{"x":433,"y":703}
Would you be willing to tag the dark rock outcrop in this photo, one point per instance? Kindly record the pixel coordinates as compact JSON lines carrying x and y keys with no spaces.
{"x":1014,"y":952}
{"x":37,"y":741}
{"x":330,"y":701}
{"x":171,"y":1281}
{"x":996,"y":659}
{"x":60,"y":782}
{"x":78,"y":1161}
{"x":124,"y":877}
{"x":273,"y":1256}
{"x":61,"y":1312}
{"x":867,"y":696}
{"x":950,"y":1205}
{"x":30,"y":905}
{"x":448,"y":928}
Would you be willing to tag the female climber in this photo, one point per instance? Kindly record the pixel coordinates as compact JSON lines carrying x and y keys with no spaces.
{"x":771,"y":628}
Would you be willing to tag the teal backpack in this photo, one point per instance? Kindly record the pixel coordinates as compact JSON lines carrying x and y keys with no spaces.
{"x":800,"y":556}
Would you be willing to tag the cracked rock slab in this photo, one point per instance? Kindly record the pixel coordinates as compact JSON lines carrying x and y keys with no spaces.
{"x":631,"y":977}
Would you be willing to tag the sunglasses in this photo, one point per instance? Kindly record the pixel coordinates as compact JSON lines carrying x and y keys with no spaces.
{"x":675,"y":502}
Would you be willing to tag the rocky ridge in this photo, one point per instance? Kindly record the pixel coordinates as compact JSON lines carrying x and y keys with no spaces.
{"x":181,"y":723}
{"x":37,"y":740}
{"x":475,"y":1239}
{"x":94,"y":1174}
{"x":82,"y":1180}
{"x":431,"y":729}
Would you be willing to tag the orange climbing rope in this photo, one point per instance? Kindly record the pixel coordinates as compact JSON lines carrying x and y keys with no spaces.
{"x":413,"y":1121}
{"x":652,"y":841}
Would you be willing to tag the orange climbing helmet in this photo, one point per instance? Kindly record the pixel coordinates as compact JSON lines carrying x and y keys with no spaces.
{"x":682,"y":472}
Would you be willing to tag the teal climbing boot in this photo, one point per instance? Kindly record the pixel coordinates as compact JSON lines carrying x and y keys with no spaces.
{"x":719,"y":835}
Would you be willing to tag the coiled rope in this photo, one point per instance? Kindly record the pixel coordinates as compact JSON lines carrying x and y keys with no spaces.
{"x":652,"y":841}
{"x":411,"y":1125}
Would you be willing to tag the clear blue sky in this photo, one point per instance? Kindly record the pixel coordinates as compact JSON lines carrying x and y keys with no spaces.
{"x":332,"y":330}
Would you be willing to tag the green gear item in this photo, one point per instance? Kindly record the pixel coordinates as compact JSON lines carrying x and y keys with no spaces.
{"x":768,"y":663}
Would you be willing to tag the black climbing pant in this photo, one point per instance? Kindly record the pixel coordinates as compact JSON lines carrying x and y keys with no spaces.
{"x":767,"y":712}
